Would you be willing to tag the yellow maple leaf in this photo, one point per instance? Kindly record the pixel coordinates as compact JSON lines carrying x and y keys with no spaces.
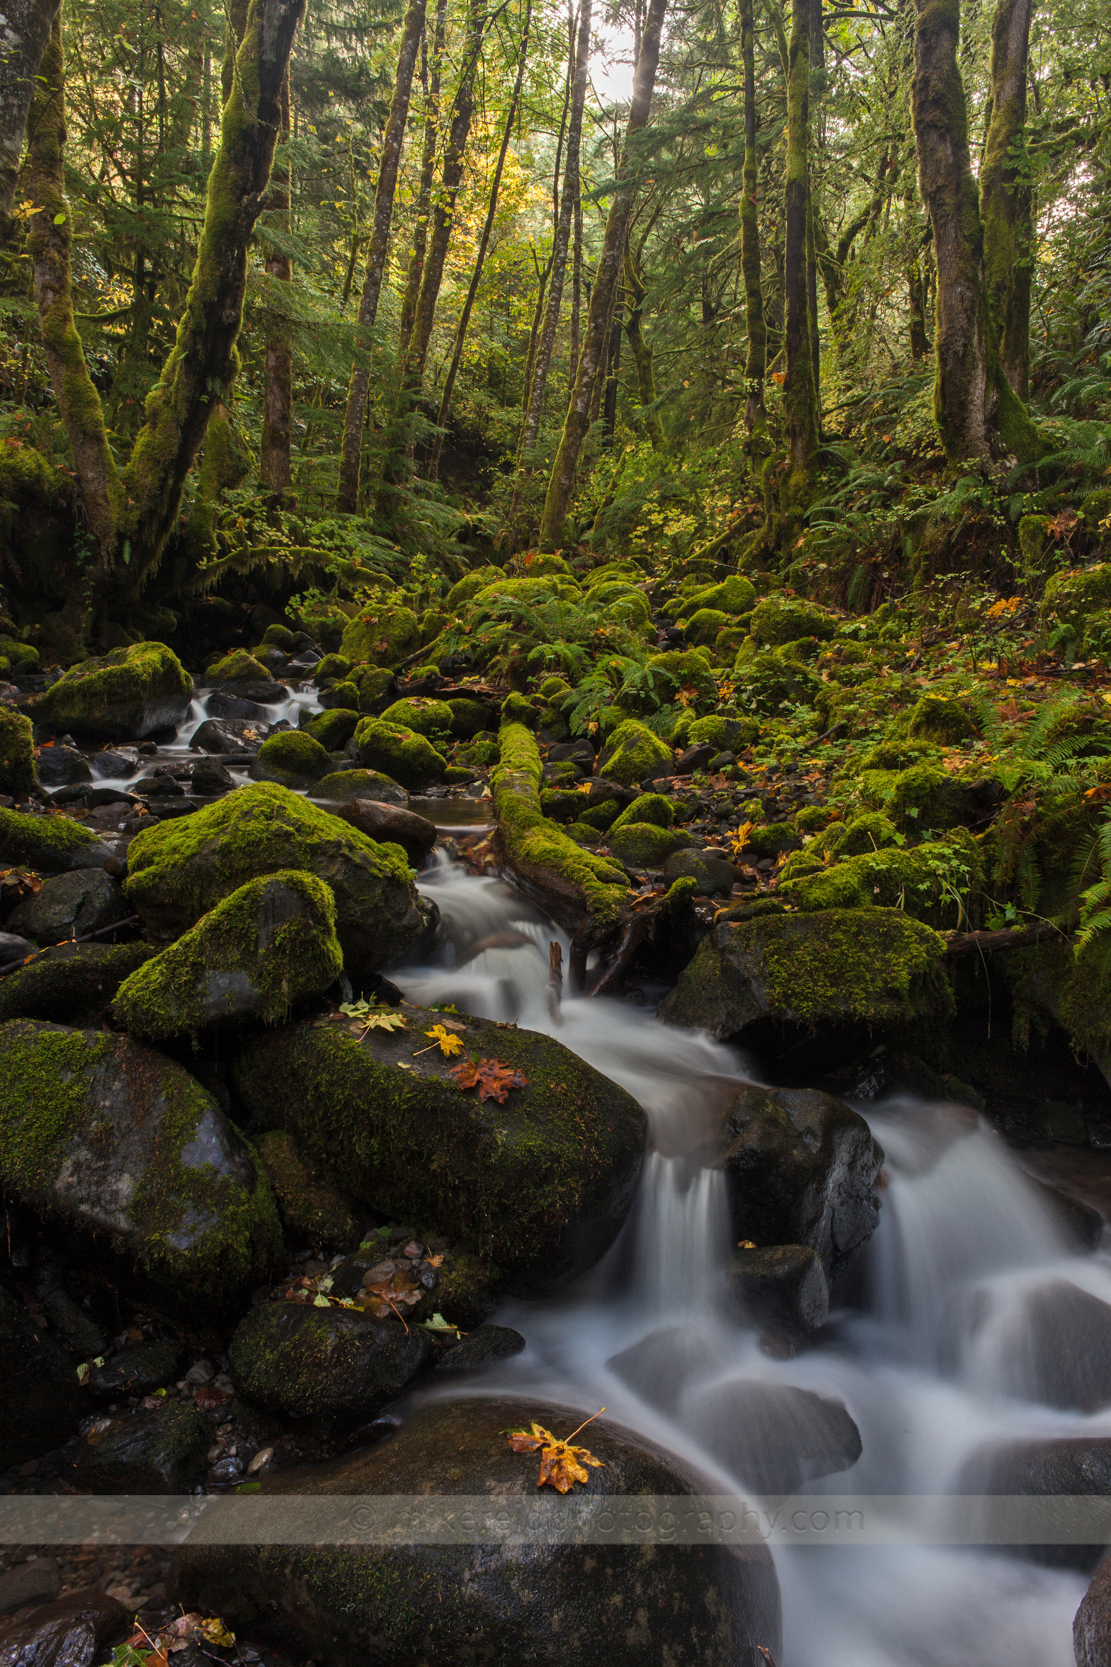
{"x":561,"y":1464}
{"x":443,"y":1038}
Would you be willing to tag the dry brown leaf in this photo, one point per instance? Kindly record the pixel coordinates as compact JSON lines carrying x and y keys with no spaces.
{"x":492,"y":1077}
{"x":561,"y":1464}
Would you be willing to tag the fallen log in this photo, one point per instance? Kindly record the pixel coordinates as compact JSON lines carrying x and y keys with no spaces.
{"x":987,"y":943}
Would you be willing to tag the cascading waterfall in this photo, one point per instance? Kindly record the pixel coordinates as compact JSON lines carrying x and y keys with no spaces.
{"x":946,"y":1352}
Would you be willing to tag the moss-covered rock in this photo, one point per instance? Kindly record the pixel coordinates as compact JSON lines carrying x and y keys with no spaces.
{"x":239,"y":666}
{"x":735,"y":595}
{"x":333,"y":668}
{"x":539,"y":1185}
{"x":938,"y":882}
{"x":898,"y":754}
{"x":123,"y":696}
{"x":280,"y":636}
{"x":856,"y":838}
{"x":941,"y":721}
{"x":780,"y":619}
{"x":310,"y":1203}
{"x":383,"y":636}
{"x":402,"y":753}
{"x":332,"y":729}
{"x":717,"y":730}
{"x":40,"y":1400}
{"x":110,"y":1138}
{"x":343,"y":785}
{"x":156,"y":1450}
{"x":705,"y":623}
{"x":1077,"y":595}
{"x":292,"y":759}
{"x":341,"y":697}
{"x":601,"y":815}
{"x":469,"y":717}
{"x":633,"y":754}
{"x":17,"y":753}
{"x":257,"y":955}
{"x":470,"y":585}
{"x":685,"y":668}
{"x":181,"y":869}
{"x":373,"y":684}
{"x":926,"y":797}
{"x":432,"y":718}
{"x":71,"y":983}
{"x":324,"y":1362}
{"x":768,"y":681}
{"x":646,"y":844}
{"x":561,"y":804}
{"x":650,"y":807}
{"x":51,"y":844}
{"x":771,"y":838}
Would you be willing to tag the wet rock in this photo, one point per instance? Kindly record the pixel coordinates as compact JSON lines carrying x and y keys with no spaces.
{"x":49,"y":844}
{"x":36,"y":1581}
{"x":713,"y":876}
{"x":659,"y":1367}
{"x":69,"y":906}
{"x":114,"y":763}
{"x":292,"y":758}
{"x":772,"y":1436}
{"x":211,"y":779}
{"x":344,"y":785}
{"x":481,"y":1348}
{"x":73,"y":1326}
{"x":695,"y":758}
{"x":70,"y":982}
{"x":61,"y":766}
{"x":464,"y":1290}
{"x":385,"y":822}
{"x":111,"y":1138}
{"x":159,"y":786}
{"x":74,"y":1631}
{"x":1055,"y":1348}
{"x":310,"y":1203}
{"x":405,"y":755}
{"x":1091,"y":1628}
{"x":263,"y":691}
{"x":40,"y":1398}
{"x":264,"y":950}
{"x":156,"y":1450}
{"x":684,"y":1605}
{"x":177,"y":873}
{"x":1051,"y":1467}
{"x":802,"y":1170}
{"x":538,"y":1185}
{"x":1082,"y":1224}
{"x":782,"y":1287}
{"x":14,"y":948}
{"x":324,"y":1362}
{"x":225,"y":707}
{"x":135,"y":1371}
{"x":227,"y":735}
{"x":96,"y":797}
{"x":123,"y":696}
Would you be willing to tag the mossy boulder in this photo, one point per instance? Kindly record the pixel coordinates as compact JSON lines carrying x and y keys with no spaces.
{"x":631,"y":610}
{"x":292,"y":759}
{"x":618,"y":1604}
{"x":383,"y":636}
{"x":269,"y":946}
{"x":108,"y":1137}
{"x":40,"y":1399}
{"x":343,"y":785}
{"x":333,"y":668}
{"x":340,"y":697}
{"x":324,"y":1362}
{"x":17,"y":753}
{"x":157,"y":1450}
{"x":735,"y":595}
{"x":469,"y":717}
{"x":633,"y":754}
{"x":280,"y":636}
{"x":767,"y":681}
{"x":685,"y":668}
{"x":646,"y":844}
{"x":123,"y":696}
{"x":824,"y":984}
{"x":937,"y":882}
{"x":310,"y":1203}
{"x":873,"y":831}
{"x":780,"y":619}
{"x":926,"y":797}
{"x":373,"y":684}
{"x":240,"y":666}
{"x":333,"y":729}
{"x":51,"y":844}
{"x":403,"y":754}
{"x":650,"y":807}
{"x":71,"y":983}
{"x":704,"y":624}
{"x":470,"y":585}
{"x":539,"y":1185}
{"x":772,"y":838}
{"x":941,"y":721}
{"x":1077,"y":595}
{"x":428,"y":717}
{"x":181,"y":869}
{"x":719,"y":730}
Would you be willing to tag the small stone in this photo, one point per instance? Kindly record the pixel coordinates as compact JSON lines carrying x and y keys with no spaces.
{"x":379,"y":1273}
{"x":35,"y":1581}
{"x":260,"y":1461}
{"x":202,"y":1372}
{"x":414,"y":1250}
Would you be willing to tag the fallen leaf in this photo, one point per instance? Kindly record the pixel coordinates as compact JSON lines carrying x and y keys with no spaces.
{"x":561,"y":1464}
{"x":443,"y":1038}
{"x":207,"y":1398}
{"x":492,"y":1077}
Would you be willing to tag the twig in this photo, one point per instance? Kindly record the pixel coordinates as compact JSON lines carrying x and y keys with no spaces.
{"x":116,"y":926}
{"x":555,"y":980}
{"x":963,"y":943}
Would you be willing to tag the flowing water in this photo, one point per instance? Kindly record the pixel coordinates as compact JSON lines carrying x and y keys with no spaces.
{"x":944,"y":1349}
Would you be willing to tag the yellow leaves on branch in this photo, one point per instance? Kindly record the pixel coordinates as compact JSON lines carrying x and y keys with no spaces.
{"x":561,"y":1465}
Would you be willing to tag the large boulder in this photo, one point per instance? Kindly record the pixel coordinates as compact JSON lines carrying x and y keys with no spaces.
{"x":403,"y":754}
{"x":73,"y":1631}
{"x":50,"y":844}
{"x":344,"y":785}
{"x":68,"y":906}
{"x":815,"y":989}
{"x":156,"y":1450}
{"x":782,"y":1287}
{"x":268,"y":947}
{"x":179,"y":870}
{"x":1048,"y":1467}
{"x":17,"y":753}
{"x":40,"y":1399}
{"x":545,"y":1600}
{"x":802,"y":1170}
{"x":292,"y":759}
{"x":112,"y":1139}
{"x":538,"y":1185}
{"x":72,"y":983}
{"x":415,"y":834}
{"x":124,"y":696}
{"x":384,"y":636}
{"x":1053,"y":1345}
{"x":324,"y":1362}
{"x":772,"y":1436}
{"x":633,"y":754}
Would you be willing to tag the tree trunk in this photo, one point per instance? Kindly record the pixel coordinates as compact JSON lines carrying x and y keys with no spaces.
{"x":23,"y":40}
{"x":576,"y":285}
{"x":799,"y":393}
{"x":424,"y":191}
{"x":562,"y":482}
{"x":613,"y":367}
{"x":642,"y":353}
{"x":562,"y":241}
{"x":388,"y":163}
{"x":916,"y":288}
{"x":480,"y":258}
{"x":756,"y":360}
{"x":1005,"y":194}
{"x":275,"y":464}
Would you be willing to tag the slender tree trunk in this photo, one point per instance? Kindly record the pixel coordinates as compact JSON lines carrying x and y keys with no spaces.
{"x":613,"y":367}
{"x":480,"y":258}
{"x":562,"y":241}
{"x":1005,"y":194}
{"x":642,"y":352}
{"x":275,"y":463}
{"x":24,"y":34}
{"x":817,"y":88}
{"x":424,"y":191}
{"x":799,"y":393}
{"x":916,"y":286}
{"x":562,"y":482}
{"x":576,"y":284}
{"x":756,"y":359}
{"x":377,"y":249}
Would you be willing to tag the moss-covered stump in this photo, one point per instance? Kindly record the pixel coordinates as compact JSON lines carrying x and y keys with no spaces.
{"x":310,"y":1203}
{"x":40,"y":1400}
{"x":257,"y":955}
{"x":618,"y":1605}
{"x":292,"y":759}
{"x":384,"y":636}
{"x":124,"y":696}
{"x":48,"y":843}
{"x":344,"y":785}
{"x":539,"y":1185}
{"x":324,"y":1362}
{"x":112,"y":1139}
{"x":181,"y":869}
{"x":155,"y":1450}
{"x":813,"y":989}
{"x":568,"y":881}
{"x":17,"y":753}
{"x":403,"y":754}
{"x":71,"y":983}
{"x":633,"y":754}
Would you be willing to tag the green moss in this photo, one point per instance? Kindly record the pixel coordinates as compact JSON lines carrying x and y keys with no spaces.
{"x":333,"y":668}
{"x":237,"y":667}
{"x":384,"y":636}
{"x":280,"y":636}
{"x":632,"y":754}
{"x":343,"y":697}
{"x":897,"y":755}
{"x":727,"y":734}
{"x":399,"y":752}
{"x":735,"y":595}
{"x":938,"y":882}
{"x":332,"y":729}
{"x":925,"y":797}
{"x":21,"y":655}
{"x":311,"y":1205}
{"x":519,"y":709}
{"x":127,"y":694}
{"x":372,"y":683}
{"x":812,"y":818}
{"x":469,"y":717}
{"x":432,"y":718}
{"x":941,"y":721}
{"x":51,"y":843}
{"x":257,"y":954}
{"x":650,"y":807}
{"x":529,"y":591}
{"x":17,"y":753}
{"x":536,"y":846}
{"x":344,"y":785}
{"x":1072,"y":597}
{"x":470,"y":585}
{"x":602,"y":815}
{"x":870,"y":832}
{"x":70,"y":983}
{"x":646,"y":844}
{"x":686,"y":668}
{"x":772,"y":838}
{"x":583,"y":834}
{"x":767,"y":681}
{"x":704,"y":625}
{"x":292,"y":759}
{"x":561,"y":805}
{"x":480,"y":754}
{"x":783,"y":619}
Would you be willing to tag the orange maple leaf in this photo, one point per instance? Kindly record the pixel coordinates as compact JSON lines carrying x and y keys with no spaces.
{"x":492,"y":1077}
{"x":561,"y":1465}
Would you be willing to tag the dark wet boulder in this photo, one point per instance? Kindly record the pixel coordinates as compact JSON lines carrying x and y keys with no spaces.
{"x":712,"y":875}
{"x":330,"y":1362}
{"x":210,"y":779}
{"x":72,"y":1631}
{"x":483,"y":1347}
{"x":71,"y":983}
{"x":1050,"y":1467}
{"x":58,"y":766}
{"x":1055,"y":1347}
{"x":49,"y":844}
{"x":1091,"y":1627}
{"x":539,"y":1184}
{"x":782,"y":1288}
{"x":13,"y":949}
{"x":179,"y":870}
{"x":135,"y":1370}
{"x":344,"y":785}
{"x":114,"y":1140}
{"x":123,"y":696}
{"x":228,"y":734}
{"x":155,"y":1450}
{"x":40,"y":1398}
{"x":660,"y":1367}
{"x":415,"y":834}
{"x":115,"y":763}
{"x":310,"y":1202}
{"x":802,"y":1169}
{"x":69,"y":906}
{"x":36,"y":1581}
{"x":259,"y":954}
{"x":463,"y":1290}
{"x":772,"y":1436}
{"x":618,"y":1605}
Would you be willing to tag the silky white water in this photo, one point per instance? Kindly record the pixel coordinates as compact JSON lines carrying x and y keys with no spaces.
{"x":938,"y":1358}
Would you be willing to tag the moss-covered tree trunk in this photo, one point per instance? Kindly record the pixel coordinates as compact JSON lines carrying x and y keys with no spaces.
{"x":1005,"y":194}
{"x":388,"y":163}
{"x":756,"y":357}
{"x":800,"y":399}
{"x":415,"y":270}
{"x":275,"y":461}
{"x":24,"y":34}
{"x":596,"y":336}
{"x":642,"y":353}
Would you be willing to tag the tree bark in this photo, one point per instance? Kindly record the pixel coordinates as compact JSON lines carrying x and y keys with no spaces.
{"x":642,"y":352}
{"x":595,"y":340}
{"x":424,"y":191}
{"x":275,"y":462}
{"x":800,"y":400}
{"x":352,"y":442}
{"x":756,"y":358}
{"x":613,"y":367}
{"x":1005,"y":194}
{"x":24,"y":34}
